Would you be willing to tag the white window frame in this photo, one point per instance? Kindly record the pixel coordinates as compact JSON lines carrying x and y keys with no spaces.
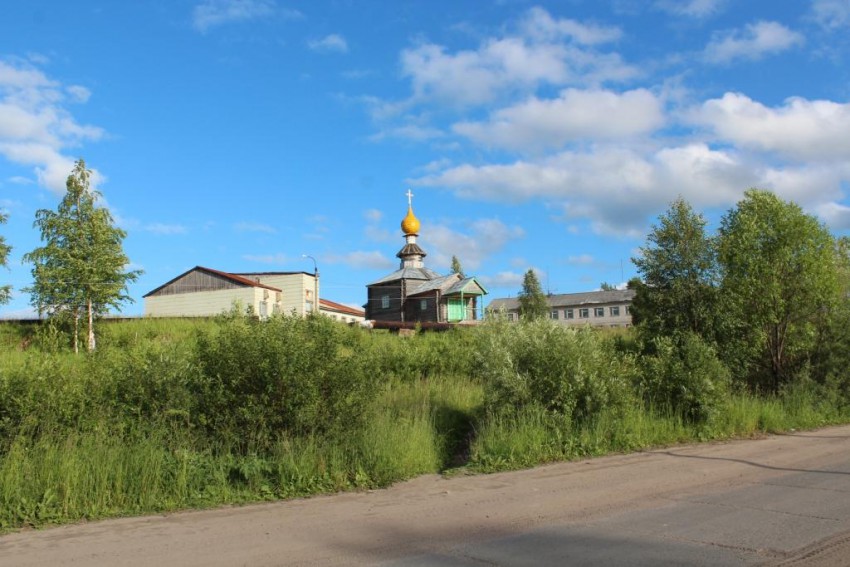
{"x":385,"y":301}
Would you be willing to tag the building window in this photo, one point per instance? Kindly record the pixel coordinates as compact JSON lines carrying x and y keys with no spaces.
{"x":554,"y":315}
{"x":264,"y":310}
{"x":423,"y":304}
{"x":615,"y":311}
{"x":626,"y":309}
{"x":599,"y":312}
{"x":568,"y":313}
{"x":308,"y":307}
{"x":584,"y":313}
{"x":511,"y":316}
{"x":385,"y":302}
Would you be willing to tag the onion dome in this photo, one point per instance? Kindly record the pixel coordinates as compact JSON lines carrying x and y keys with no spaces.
{"x":410,"y":224}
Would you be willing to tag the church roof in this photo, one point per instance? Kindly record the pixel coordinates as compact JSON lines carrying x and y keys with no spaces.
{"x":410,"y":249}
{"x":408,"y":274}
{"x":463,"y":287}
{"x":430,"y":285}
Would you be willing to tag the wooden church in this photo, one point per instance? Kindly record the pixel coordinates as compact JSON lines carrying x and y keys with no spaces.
{"x":416,"y":294}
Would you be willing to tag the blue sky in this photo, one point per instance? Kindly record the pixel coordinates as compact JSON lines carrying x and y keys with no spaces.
{"x":241,"y":134}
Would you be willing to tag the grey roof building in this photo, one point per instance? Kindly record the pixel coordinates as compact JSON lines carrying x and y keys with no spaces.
{"x":610,"y":308}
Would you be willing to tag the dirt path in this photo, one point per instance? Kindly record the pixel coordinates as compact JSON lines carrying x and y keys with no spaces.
{"x":743,"y":502}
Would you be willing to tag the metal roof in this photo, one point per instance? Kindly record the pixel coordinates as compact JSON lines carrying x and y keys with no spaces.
{"x":571,"y":299}
{"x":226,"y":275}
{"x":408,"y":274}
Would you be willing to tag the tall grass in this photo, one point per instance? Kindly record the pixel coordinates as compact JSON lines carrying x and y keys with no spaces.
{"x":178,"y":414}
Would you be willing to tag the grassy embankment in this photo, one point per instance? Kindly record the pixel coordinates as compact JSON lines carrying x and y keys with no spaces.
{"x":180,"y":414}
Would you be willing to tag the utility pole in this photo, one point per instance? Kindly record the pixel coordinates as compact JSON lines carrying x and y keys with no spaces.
{"x":316,"y":306}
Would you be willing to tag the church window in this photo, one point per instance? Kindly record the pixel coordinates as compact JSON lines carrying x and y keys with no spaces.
{"x":423,"y":304}
{"x":385,"y":302}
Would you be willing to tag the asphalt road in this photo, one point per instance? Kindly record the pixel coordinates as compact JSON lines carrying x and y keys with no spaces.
{"x":782,"y":500}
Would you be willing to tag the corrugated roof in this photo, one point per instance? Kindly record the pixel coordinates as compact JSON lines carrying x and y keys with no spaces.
{"x":430,"y":285}
{"x":339,"y":307}
{"x":226,"y":275}
{"x":460,"y":286}
{"x":570,"y":299}
{"x":408,"y":274}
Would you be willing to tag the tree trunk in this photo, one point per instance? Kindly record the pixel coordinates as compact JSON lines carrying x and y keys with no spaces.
{"x":76,"y":332}
{"x":91,"y":328}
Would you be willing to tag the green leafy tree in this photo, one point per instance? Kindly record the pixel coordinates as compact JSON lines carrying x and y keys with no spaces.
{"x":81,"y":268}
{"x":5,"y":290}
{"x":676,"y":292}
{"x":779,"y":280}
{"x":832,"y":357}
{"x":605,"y":286}
{"x":456,"y":267}
{"x":532,"y":300}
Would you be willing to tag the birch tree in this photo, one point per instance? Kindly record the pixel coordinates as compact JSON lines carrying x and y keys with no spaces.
{"x":81,"y":268}
{"x":5,"y":290}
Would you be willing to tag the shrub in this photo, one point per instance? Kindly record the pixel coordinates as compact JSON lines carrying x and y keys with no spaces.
{"x":258,"y":379}
{"x":565,"y":371}
{"x":685,"y":374}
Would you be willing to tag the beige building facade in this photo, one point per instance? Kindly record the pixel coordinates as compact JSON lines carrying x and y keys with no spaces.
{"x":204,"y":292}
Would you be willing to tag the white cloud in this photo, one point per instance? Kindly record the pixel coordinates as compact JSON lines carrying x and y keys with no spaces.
{"x":801,"y":129}
{"x":214,"y":13}
{"x":35,"y":127}
{"x":484,"y":238}
{"x":581,"y":260}
{"x":408,"y":132}
{"x":539,"y":24}
{"x":691,"y":8}
{"x":831,"y":15}
{"x":502,"y":279}
{"x":373,"y":215}
{"x":333,"y":43}
{"x":574,"y":115}
{"x":835,"y":215}
{"x":361,"y":259}
{"x":616,"y":189}
{"x":752,"y":43}
{"x":254,"y":227}
{"x":547,"y":51}
{"x":164,"y":229}
{"x":78,"y":93}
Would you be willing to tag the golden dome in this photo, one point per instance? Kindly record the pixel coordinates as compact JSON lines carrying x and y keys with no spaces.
{"x":410,"y":224}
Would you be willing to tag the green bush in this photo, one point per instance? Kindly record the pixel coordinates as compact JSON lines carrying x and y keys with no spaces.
{"x":259,"y":379}
{"x":570,"y":372}
{"x":686,"y":375}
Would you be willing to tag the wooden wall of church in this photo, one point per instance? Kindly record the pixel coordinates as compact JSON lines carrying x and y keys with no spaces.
{"x":375,"y":309}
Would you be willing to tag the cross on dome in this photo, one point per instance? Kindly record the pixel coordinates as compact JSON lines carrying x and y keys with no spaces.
{"x":410,"y":224}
